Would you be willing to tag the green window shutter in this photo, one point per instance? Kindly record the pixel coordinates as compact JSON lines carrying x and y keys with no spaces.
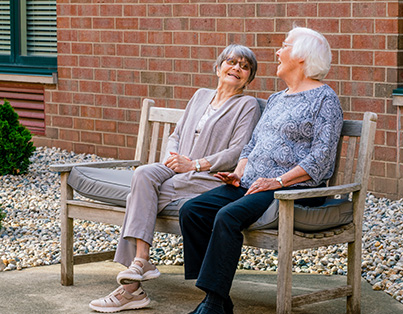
{"x":5,"y":28}
{"x":41,"y":28}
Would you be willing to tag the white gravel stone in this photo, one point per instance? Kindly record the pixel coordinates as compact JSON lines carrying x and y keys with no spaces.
{"x":31,"y":232}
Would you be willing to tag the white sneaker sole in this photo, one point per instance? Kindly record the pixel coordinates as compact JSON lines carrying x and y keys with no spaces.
{"x":128,"y":306}
{"x":126,"y":279}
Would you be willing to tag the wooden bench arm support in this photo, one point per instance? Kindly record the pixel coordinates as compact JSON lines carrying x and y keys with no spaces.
{"x":97,"y":164}
{"x":317,"y":192}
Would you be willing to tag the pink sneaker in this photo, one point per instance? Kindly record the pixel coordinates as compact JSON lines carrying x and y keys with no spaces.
{"x":135,"y":272}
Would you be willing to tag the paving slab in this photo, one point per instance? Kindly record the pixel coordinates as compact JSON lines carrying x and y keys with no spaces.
{"x":38,"y":290}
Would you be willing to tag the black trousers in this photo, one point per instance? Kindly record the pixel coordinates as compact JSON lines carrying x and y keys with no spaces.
{"x":211,"y":227}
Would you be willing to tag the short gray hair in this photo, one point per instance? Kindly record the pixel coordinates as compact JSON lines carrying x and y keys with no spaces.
{"x":314,"y":49}
{"x":238,"y":51}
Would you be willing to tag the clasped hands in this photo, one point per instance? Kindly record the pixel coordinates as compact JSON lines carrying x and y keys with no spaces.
{"x":260,"y":185}
{"x":179,"y":163}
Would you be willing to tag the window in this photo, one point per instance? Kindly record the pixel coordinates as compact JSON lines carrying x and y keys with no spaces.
{"x":28,"y":36}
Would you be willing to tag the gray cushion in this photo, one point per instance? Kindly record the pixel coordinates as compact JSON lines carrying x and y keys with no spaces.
{"x":113,"y":186}
{"x":106,"y":185}
{"x":333,"y":213}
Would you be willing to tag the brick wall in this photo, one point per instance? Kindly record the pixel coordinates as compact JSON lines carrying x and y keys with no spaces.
{"x":114,"y":53}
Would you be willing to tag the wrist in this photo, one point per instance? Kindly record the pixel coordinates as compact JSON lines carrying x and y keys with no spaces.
{"x":197,"y":165}
{"x":279,"y":180}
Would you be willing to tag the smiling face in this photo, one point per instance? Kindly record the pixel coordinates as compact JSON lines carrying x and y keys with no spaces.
{"x":287,"y":64}
{"x":234,"y":72}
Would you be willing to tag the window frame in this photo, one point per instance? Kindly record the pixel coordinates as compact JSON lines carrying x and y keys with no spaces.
{"x":16,"y":63}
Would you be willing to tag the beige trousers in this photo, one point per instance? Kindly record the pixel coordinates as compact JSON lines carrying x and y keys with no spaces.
{"x":151,"y":191}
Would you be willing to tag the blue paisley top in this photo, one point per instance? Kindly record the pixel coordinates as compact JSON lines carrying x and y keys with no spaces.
{"x":297,"y":129}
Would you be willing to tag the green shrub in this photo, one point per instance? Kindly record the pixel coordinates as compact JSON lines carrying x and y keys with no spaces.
{"x":15,"y":142}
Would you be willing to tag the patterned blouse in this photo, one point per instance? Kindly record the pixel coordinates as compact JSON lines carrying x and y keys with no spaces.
{"x":297,"y":129}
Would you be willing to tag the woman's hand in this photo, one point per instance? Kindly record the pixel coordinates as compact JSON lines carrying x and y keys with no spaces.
{"x":263,"y":184}
{"x":228,"y":178}
{"x":179,"y":163}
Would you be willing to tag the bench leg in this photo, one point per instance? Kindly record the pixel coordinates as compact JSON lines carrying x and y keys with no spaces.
{"x":285,"y":244}
{"x":67,"y":235}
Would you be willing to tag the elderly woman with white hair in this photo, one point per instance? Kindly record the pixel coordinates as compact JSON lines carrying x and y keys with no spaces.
{"x":209,"y":137}
{"x":293,"y":146}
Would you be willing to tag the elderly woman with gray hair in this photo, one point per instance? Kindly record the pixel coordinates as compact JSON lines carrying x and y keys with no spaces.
{"x":207,"y":139}
{"x":293,"y":146}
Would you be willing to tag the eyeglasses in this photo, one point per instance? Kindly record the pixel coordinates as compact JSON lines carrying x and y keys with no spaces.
{"x":285,"y":45}
{"x":244,"y":65}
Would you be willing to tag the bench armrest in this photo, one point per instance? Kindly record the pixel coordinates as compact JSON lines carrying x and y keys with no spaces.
{"x":317,"y":192}
{"x":96,"y":164}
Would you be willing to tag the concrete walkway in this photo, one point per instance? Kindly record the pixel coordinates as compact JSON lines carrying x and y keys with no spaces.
{"x":38,"y":290}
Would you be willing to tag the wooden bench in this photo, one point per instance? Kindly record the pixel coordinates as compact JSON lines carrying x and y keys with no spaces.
{"x":357,"y":145}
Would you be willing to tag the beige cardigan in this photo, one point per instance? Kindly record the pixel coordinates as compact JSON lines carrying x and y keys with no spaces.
{"x":220,"y":141}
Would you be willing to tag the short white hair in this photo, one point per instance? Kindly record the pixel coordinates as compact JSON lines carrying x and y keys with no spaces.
{"x":314,"y":49}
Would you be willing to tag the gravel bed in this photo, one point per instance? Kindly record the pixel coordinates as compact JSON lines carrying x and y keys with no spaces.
{"x":31,"y":231}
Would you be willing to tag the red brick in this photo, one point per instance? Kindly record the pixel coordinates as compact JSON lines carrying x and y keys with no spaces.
{"x":62,"y":97}
{"x":64,"y":122}
{"x":357,"y":26}
{"x":105,"y":75}
{"x":91,"y":137}
{"x":111,"y":62}
{"x":68,"y":110}
{"x":90,"y":86}
{"x":83,"y":148}
{"x":186,"y":66}
{"x":232,"y":25}
{"x":259,"y":25}
{"x":105,"y":49}
{"x":160,"y":10}
{"x":302,"y":9}
{"x":334,"y":10}
{"x":160,"y":65}
{"x":114,"y":114}
{"x":109,"y":152}
{"x":86,"y":61}
{"x":67,"y":85}
{"x":83,"y":124}
{"x":83,"y":98}
{"x":391,"y":138}
{"x":128,"y":128}
{"x":152,"y":51}
{"x":213,"y":10}
{"x":366,"y":9}
{"x":339,"y":73}
{"x":136,"y":37}
{"x":69,"y":135}
{"x":66,"y":10}
{"x":81,"y":48}
{"x":207,"y":67}
{"x":265,"y":54}
{"x":107,"y":23}
{"x":105,"y":126}
{"x":202,"y":24}
{"x":393,"y":9}
{"x":337,"y":41}
{"x":356,"y":57}
{"x":209,"y":81}
{"x":357,"y":89}
{"x":126,"y":23}
{"x":324,"y":25}
{"x":106,"y":100}
{"x":67,"y":60}
{"x":126,"y":153}
{"x":111,"y":10}
{"x":81,"y":22}
{"x":184,"y":92}
{"x":164,"y":38}
{"x":176,"y":24}
{"x":185,"y":38}
{"x":385,"y":58}
{"x":152,"y":78}
{"x":125,"y":76}
{"x":213,"y":39}
{"x":175,"y":51}
{"x":114,"y":139}
{"x":89,"y":36}
{"x":67,"y":35}
{"x":369,"y":42}
{"x":385,"y":153}
{"x":270,"y":40}
{"x":128,"y":50}
{"x":271,"y":10}
{"x":178,"y":79}
{"x":386,"y":26}
{"x":204,"y":53}
{"x":247,"y":40}
{"x":63,"y":23}
{"x":150,"y":24}
{"x":63,"y":48}
{"x":241,"y":10}
{"x":112,"y":88}
{"x":111,"y":37}
{"x":139,"y":90}
{"x":377,"y":168}
{"x":159,"y":91}
{"x":91,"y":112}
{"x":262,"y":84}
{"x":189,"y":10}
{"x":134,"y":63}
{"x":134,"y":9}
{"x":367,"y":104}
{"x":368,"y":74}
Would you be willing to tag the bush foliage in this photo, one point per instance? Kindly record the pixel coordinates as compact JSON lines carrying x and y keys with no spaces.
{"x":2,"y":216}
{"x":15,"y":142}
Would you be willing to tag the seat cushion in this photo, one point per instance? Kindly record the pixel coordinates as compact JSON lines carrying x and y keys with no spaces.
{"x":106,"y":185}
{"x":333,"y":213}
